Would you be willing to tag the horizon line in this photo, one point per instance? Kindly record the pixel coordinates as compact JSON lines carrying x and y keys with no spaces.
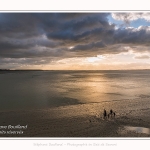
{"x":69,"y":69}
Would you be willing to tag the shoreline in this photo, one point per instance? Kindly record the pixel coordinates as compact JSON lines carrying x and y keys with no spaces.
{"x":82,"y":120}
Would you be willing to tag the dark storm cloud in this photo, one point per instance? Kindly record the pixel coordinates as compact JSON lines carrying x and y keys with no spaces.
{"x":50,"y":35}
{"x":133,"y":36}
{"x":90,"y":46}
{"x":21,"y":33}
{"x":76,"y":30}
{"x":17,"y":25}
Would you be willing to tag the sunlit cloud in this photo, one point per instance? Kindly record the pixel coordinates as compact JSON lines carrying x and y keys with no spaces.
{"x":127,"y":17}
{"x":145,"y":55}
{"x":71,"y":47}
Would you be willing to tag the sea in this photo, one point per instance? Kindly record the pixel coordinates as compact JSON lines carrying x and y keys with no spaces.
{"x":48,"y":89}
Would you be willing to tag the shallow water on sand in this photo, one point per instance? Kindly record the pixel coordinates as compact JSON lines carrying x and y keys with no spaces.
{"x":39,"y":89}
{"x":136,"y":130}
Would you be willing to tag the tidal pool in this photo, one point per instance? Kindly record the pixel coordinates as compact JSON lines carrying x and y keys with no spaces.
{"x":138,"y":129}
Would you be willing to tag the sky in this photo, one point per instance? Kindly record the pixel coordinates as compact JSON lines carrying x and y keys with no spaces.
{"x":75,"y":41}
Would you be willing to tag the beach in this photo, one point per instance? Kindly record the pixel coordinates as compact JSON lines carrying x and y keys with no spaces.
{"x":82,"y":120}
{"x":71,"y":103}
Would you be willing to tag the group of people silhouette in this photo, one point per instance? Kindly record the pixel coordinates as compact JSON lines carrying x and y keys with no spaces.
{"x":110,"y":114}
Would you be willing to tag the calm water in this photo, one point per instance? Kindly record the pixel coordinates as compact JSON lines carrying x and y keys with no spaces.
{"x":38,"y":89}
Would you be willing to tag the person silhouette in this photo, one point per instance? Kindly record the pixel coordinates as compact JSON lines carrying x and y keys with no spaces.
{"x":105,"y":114}
{"x":114,"y":114}
{"x":111,"y":112}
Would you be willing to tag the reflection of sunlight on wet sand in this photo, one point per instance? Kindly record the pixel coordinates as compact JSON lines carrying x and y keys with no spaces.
{"x":96,"y":87}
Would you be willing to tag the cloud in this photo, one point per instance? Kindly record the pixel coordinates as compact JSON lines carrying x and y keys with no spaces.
{"x":140,"y":35}
{"x":40,"y":38}
{"x":128,"y":17}
{"x":142,"y":57}
{"x":89,"y":47}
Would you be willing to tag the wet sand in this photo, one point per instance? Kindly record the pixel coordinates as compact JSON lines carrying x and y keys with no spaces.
{"x":81,"y":120}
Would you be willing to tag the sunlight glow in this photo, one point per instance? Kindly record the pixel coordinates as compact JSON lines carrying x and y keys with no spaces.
{"x":71,"y":47}
{"x":95,"y":59}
